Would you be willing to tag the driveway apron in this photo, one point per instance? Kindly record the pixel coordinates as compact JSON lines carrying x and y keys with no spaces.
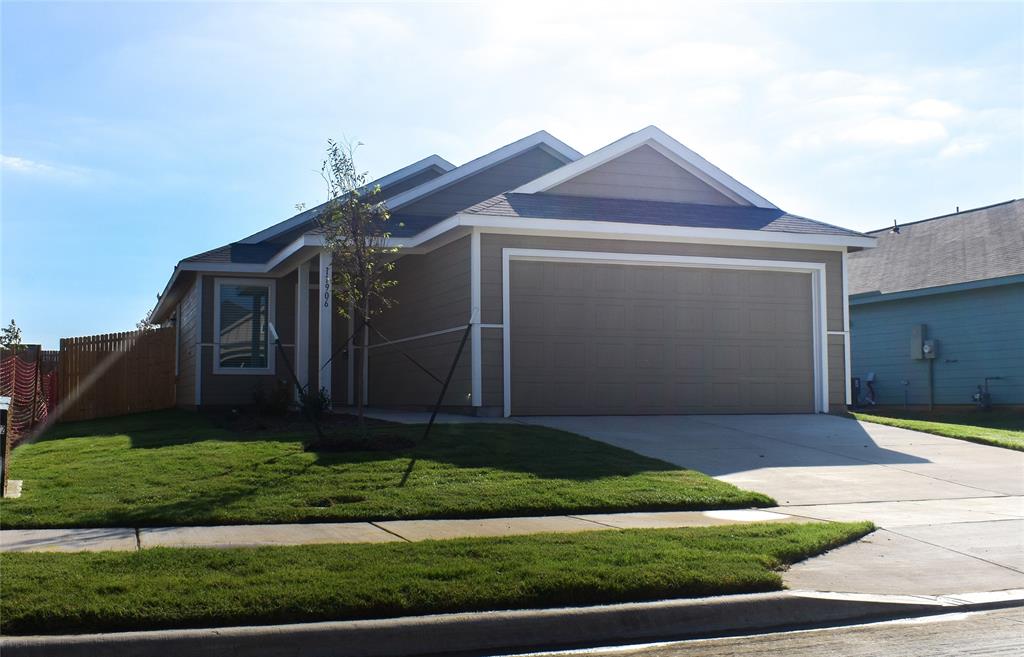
{"x":950,"y":513}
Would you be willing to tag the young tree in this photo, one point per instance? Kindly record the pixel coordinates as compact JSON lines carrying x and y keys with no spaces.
{"x":146,"y":323}
{"x":10,"y":338}
{"x":354,"y":223}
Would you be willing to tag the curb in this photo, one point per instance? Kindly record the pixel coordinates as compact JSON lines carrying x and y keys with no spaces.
{"x":521,"y":630}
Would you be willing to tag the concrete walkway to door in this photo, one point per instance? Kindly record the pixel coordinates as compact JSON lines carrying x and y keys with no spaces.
{"x":951,"y":513}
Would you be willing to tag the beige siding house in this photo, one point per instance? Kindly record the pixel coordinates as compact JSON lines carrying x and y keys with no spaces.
{"x":638,"y":279}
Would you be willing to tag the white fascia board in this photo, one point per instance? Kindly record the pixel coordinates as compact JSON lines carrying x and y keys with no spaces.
{"x":664,"y":144}
{"x":462,"y":224}
{"x":630,"y":231}
{"x":483,"y":162}
{"x":282,"y":257}
{"x":393,"y":177}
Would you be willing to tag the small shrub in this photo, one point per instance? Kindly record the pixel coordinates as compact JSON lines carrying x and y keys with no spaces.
{"x":275,"y":403}
{"x":314,"y":403}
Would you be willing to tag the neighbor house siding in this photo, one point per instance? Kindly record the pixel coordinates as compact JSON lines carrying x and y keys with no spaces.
{"x":979,"y":333}
{"x":432,"y":295}
{"x":642,"y":174}
{"x":188,"y":344}
{"x":237,"y":389}
{"x":491,"y":290}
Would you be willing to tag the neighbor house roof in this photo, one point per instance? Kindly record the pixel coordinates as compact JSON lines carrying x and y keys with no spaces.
{"x":974,"y":245}
{"x":654,"y":213}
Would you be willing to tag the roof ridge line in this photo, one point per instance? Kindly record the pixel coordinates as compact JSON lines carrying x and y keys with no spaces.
{"x":945,"y":216}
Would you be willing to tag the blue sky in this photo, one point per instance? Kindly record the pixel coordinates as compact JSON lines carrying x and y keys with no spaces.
{"x":136,"y":134}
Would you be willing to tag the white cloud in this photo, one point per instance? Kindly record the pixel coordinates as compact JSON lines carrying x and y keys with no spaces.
{"x":932,"y":108}
{"x":961,"y":146}
{"x":893,"y":130}
{"x":13,"y":164}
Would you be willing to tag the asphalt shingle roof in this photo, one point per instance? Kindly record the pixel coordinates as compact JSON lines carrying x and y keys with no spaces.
{"x":968,"y":246}
{"x":552,"y":206}
{"x":656,"y":213}
{"x":237,"y":253}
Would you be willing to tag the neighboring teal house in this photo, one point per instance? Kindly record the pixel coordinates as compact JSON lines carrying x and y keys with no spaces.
{"x":950,"y":287}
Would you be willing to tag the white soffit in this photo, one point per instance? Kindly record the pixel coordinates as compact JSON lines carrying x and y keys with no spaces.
{"x":663,"y":143}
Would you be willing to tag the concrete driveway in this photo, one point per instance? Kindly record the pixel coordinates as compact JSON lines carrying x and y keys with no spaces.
{"x":951,"y":513}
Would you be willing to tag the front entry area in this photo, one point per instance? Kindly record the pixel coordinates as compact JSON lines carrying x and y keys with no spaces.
{"x":619,"y":337}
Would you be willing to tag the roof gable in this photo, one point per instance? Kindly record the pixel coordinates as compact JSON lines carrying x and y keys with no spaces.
{"x":642,"y":174}
{"x":630,"y":163}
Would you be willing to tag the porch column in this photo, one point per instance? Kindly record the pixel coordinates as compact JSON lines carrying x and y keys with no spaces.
{"x":326,"y":316}
{"x":302,"y":324}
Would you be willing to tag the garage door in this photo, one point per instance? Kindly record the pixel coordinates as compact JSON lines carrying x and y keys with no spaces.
{"x":613,"y":339}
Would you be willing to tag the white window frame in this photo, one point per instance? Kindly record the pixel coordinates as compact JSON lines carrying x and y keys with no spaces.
{"x":819,"y":313}
{"x":268,"y":283}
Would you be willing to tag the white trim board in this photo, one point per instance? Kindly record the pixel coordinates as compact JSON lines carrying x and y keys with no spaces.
{"x":460,"y":225}
{"x":846,"y":327}
{"x":666,"y":145}
{"x":271,"y":286}
{"x":325,"y":319}
{"x":815,"y":269}
{"x":475,"y":303}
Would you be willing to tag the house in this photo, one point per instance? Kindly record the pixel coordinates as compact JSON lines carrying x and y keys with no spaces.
{"x":639,"y":279}
{"x":957,"y":281}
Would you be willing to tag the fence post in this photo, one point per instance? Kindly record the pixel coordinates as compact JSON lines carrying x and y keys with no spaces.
{"x":5,"y":435}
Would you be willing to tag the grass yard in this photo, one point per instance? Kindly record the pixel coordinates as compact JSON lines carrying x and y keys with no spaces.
{"x":178,"y":468}
{"x":998,"y":428}
{"x":170,"y":588}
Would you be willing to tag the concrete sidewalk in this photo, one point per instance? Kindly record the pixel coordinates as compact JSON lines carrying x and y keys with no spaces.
{"x":227,"y":536}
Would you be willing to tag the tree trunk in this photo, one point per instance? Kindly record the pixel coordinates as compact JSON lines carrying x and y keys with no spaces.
{"x":364,"y":364}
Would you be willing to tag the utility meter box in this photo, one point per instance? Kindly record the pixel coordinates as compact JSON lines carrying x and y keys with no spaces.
{"x":917,"y":333}
{"x":930,"y":348}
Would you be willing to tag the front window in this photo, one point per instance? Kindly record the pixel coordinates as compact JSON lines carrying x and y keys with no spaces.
{"x":243,"y":316}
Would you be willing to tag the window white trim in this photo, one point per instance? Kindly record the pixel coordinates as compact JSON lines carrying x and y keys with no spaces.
{"x":270,"y":284}
{"x":815,"y":269}
{"x":665,"y":144}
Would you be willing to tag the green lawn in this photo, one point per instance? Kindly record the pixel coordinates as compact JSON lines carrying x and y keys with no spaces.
{"x":177,"y":468}
{"x":168,"y":588}
{"x":998,"y":428}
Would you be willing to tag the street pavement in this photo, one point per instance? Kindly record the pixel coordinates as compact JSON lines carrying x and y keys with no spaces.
{"x":990,"y":633}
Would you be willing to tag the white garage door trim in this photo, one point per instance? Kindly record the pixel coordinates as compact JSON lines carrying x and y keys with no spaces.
{"x":815,"y":269}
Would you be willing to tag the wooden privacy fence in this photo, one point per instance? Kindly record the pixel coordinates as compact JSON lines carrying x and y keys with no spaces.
{"x":116,"y":373}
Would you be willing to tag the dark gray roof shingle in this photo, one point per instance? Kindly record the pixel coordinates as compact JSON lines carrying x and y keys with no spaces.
{"x":237,"y":253}
{"x":969,"y":246}
{"x":655,"y":213}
